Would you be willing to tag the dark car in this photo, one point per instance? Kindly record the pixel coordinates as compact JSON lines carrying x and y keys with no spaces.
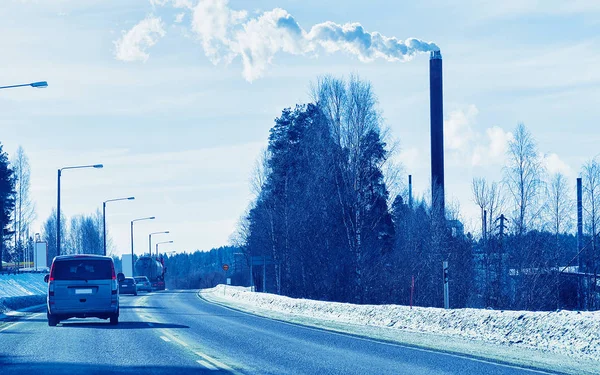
{"x":143,"y":284}
{"x":128,"y":286}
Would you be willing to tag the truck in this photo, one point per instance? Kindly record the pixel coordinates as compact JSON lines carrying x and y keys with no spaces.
{"x":153,"y":269}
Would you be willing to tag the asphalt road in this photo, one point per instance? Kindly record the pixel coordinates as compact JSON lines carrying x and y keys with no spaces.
{"x":175,"y":332}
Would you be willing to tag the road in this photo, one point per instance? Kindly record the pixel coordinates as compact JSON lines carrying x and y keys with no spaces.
{"x":175,"y":332}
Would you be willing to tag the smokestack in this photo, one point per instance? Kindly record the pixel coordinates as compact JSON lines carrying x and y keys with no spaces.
{"x":410,"y":200}
{"x":581,"y":261}
{"x":437,"y":132}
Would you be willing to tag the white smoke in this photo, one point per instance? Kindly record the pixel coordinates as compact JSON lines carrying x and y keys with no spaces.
{"x":133,"y":44}
{"x":226,"y":34}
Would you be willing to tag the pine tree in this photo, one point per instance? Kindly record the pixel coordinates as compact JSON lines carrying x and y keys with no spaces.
{"x":7,"y":202}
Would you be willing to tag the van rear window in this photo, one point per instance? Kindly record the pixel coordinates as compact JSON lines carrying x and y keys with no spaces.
{"x":82,"y":269}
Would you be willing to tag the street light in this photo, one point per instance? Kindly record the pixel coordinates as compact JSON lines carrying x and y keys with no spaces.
{"x":150,"y":241}
{"x":104,"y":216}
{"x":159,"y":243}
{"x":58,"y":199}
{"x":133,"y":221}
{"x":39,"y":85}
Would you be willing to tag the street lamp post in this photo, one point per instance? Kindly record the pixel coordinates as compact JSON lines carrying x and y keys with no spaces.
{"x":38,"y":85}
{"x":150,"y":241}
{"x":104,"y":217}
{"x":133,"y":221}
{"x":159,"y":243}
{"x":58,"y":200}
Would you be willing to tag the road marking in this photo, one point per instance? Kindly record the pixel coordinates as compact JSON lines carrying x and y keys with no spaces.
{"x":11,"y":325}
{"x":207,"y":365}
{"x":150,"y":324}
{"x":174,"y":338}
{"x":165,"y":339}
{"x":214,"y":361}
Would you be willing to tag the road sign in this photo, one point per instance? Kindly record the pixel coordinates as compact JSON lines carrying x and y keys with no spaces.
{"x":225,"y":267}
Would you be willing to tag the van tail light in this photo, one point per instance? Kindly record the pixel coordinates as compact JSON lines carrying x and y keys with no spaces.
{"x":114,"y":275}
{"x":51,"y":278}
{"x":51,"y":288}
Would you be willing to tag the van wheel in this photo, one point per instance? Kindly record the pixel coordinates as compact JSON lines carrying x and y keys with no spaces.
{"x":114,"y":320}
{"x":52,"y":320}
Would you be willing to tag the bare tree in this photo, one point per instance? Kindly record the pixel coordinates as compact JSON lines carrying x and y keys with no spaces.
{"x":496,"y":200}
{"x":523,"y":177}
{"x":350,"y":108}
{"x":591,"y":206}
{"x":260,"y":172}
{"x":24,"y":212}
{"x":559,"y":207}
{"x":481,"y":199}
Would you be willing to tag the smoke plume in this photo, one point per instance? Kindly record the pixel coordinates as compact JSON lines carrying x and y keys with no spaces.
{"x":226,"y":34}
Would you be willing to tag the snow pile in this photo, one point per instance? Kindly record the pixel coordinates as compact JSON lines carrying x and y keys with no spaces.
{"x":24,"y":284}
{"x":17,"y":303}
{"x":576,"y":334}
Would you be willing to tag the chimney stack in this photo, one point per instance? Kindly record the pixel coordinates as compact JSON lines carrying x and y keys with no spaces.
{"x":436,"y":101}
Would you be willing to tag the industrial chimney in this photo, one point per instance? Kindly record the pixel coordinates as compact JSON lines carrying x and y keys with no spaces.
{"x":437,"y":132}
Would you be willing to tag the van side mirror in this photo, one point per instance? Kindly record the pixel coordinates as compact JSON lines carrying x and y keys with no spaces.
{"x":120,"y":277}
{"x":46,"y":278}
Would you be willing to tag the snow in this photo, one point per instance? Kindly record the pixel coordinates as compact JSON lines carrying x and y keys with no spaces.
{"x":24,"y":284}
{"x":21,"y":291}
{"x":565,"y":340}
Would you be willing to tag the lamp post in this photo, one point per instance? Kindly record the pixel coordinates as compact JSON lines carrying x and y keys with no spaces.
{"x":58,"y":200}
{"x":150,"y":241}
{"x":39,"y":85}
{"x":104,"y":217}
{"x":133,"y":221}
{"x":159,"y":243}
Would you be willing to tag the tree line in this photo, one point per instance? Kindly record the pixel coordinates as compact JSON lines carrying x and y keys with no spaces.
{"x":17,"y":210}
{"x":328,"y":223}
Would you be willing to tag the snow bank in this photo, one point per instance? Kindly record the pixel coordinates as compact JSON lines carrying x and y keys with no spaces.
{"x":569,"y":333}
{"x":24,"y":284}
{"x":21,"y":291}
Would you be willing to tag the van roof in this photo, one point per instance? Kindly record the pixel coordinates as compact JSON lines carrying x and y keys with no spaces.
{"x":80,"y":256}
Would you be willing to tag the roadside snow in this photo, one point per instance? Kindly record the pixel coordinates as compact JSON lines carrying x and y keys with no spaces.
{"x":21,"y":291}
{"x":24,"y":284}
{"x":571,"y":338}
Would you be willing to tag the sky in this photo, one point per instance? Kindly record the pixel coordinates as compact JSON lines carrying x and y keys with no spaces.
{"x":176,"y":97}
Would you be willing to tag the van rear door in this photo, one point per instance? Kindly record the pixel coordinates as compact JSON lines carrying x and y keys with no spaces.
{"x":83,"y":284}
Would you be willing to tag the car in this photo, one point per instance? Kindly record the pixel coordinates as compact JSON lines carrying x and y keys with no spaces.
{"x":128,"y":286}
{"x":82,"y":286}
{"x":142,"y":283}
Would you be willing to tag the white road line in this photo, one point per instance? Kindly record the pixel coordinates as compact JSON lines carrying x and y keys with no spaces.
{"x":165,"y":338}
{"x":214,"y":361}
{"x":9,"y":326}
{"x":207,"y":365}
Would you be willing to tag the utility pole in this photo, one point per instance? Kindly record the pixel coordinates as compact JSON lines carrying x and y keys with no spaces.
{"x":446,"y":291}
{"x":581,"y":292}
{"x":264,"y":288}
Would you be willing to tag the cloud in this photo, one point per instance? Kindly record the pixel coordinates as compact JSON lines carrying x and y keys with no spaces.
{"x":458,"y":131}
{"x":179,"y":17}
{"x":411,"y":158}
{"x":133,"y":44}
{"x":492,"y":148}
{"x":226,"y":34}
{"x":554,"y":164}
{"x":464,"y":144}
